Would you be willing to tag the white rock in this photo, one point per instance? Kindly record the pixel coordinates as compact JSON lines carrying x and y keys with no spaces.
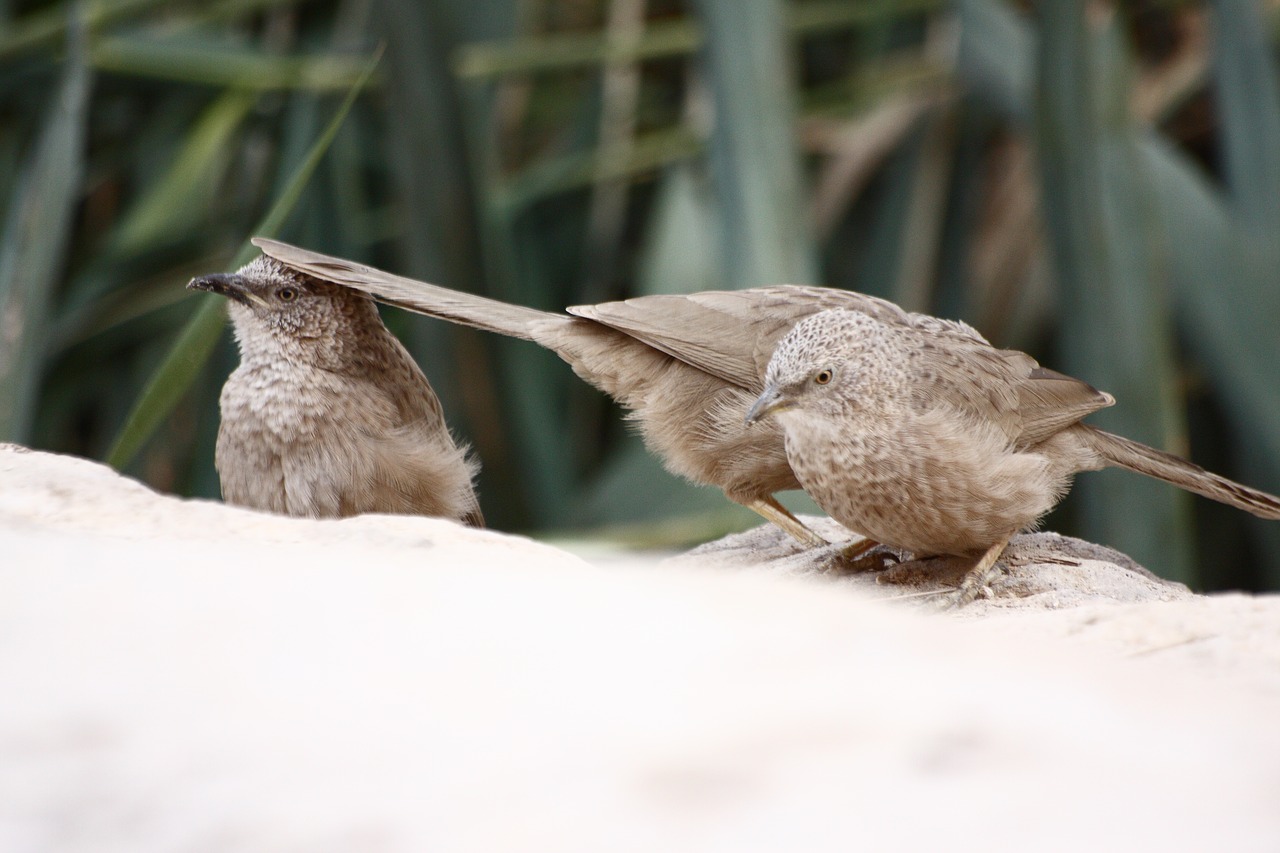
{"x":1044,"y":571}
{"x":180,"y":675}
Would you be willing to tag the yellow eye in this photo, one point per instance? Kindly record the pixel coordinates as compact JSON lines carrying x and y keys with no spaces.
{"x":286,"y":294}
{"x":822,"y":377}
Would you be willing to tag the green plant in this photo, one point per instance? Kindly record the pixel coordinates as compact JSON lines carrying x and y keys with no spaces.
{"x":1032,"y":176}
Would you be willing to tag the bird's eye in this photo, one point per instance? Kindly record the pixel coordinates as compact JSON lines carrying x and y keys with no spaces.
{"x":287,"y":294}
{"x":822,"y":377}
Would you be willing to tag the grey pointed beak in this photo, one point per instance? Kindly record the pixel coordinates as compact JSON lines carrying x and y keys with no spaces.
{"x":772,"y":400}
{"x":230,"y":285}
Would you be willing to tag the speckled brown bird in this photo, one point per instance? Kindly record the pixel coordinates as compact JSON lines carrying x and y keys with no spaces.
{"x":327,"y":414}
{"x":946,"y":446}
{"x":686,"y":366}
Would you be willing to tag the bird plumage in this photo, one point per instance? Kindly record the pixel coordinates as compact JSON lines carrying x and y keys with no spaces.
{"x":328,"y":415}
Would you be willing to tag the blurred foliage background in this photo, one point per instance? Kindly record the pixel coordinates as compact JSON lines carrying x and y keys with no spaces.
{"x":1097,"y":183}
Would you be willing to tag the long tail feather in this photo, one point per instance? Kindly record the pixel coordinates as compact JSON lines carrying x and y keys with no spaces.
{"x":468,"y":309}
{"x":1134,"y":456}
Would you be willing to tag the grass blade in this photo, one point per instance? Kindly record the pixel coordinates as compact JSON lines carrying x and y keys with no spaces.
{"x":1101,"y":230}
{"x":192,"y":59}
{"x":1247,"y":87}
{"x":191,"y":180}
{"x":35,"y":240}
{"x":997,"y":56}
{"x":1236,"y":345}
{"x":753,"y":153}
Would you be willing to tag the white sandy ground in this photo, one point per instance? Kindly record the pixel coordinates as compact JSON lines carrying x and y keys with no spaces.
{"x":184,"y":676}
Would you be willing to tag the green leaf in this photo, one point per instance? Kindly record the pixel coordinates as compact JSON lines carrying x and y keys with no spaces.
{"x":35,"y":240}
{"x":677,"y":257}
{"x":192,"y":59}
{"x":753,"y":152}
{"x":1242,"y":348}
{"x":1101,"y":229}
{"x":997,"y":56}
{"x":1199,"y":229}
{"x":196,"y":341}
{"x":1227,"y":333}
{"x":44,"y":29}
{"x":184,"y":191}
{"x":1247,"y":89}
{"x":663,"y":39}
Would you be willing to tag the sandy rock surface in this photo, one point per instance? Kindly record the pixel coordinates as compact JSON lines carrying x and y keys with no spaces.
{"x":1043,"y":571}
{"x":181,"y":675}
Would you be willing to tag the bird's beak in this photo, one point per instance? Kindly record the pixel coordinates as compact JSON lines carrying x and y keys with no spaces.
{"x":772,"y":400}
{"x":230,"y":285}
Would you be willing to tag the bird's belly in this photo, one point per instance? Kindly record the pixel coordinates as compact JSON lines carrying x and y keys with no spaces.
{"x":927,"y":490}
{"x":274,"y":427}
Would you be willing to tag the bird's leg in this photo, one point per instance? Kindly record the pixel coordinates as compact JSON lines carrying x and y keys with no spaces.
{"x":977,"y":577}
{"x":769,"y":509}
{"x":855,"y":555}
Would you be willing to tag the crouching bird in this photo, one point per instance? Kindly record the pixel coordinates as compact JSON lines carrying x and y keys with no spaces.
{"x":945,"y":445}
{"x":327,"y":414}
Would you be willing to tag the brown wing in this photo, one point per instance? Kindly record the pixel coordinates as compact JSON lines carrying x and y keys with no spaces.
{"x":731,"y":334}
{"x":1051,"y":401}
{"x":1010,"y":389}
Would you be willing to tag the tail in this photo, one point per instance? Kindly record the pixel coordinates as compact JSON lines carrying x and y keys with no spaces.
{"x":468,"y":309}
{"x":1123,"y":453}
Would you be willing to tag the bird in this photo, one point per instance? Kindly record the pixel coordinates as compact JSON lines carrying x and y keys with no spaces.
{"x":687,"y":367}
{"x":328,"y":415}
{"x":946,"y":446}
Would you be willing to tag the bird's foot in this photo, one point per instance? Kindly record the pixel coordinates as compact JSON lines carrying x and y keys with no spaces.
{"x":910,"y":572}
{"x":974,"y":581}
{"x":977,"y":581}
{"x":971,"y":588}
{"x":865,"y":555}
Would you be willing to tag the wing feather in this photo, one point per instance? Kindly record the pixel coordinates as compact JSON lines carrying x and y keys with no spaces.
{"x":1027,"y":402}
{"x":731,"y":334}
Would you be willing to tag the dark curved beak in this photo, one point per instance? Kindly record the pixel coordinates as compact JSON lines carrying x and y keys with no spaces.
{"x":230,"y":285}
{"x":772,"y":400}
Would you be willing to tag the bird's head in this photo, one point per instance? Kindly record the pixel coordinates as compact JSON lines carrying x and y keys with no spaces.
{"x":280,"y":312}
{"x":819,"y":366}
